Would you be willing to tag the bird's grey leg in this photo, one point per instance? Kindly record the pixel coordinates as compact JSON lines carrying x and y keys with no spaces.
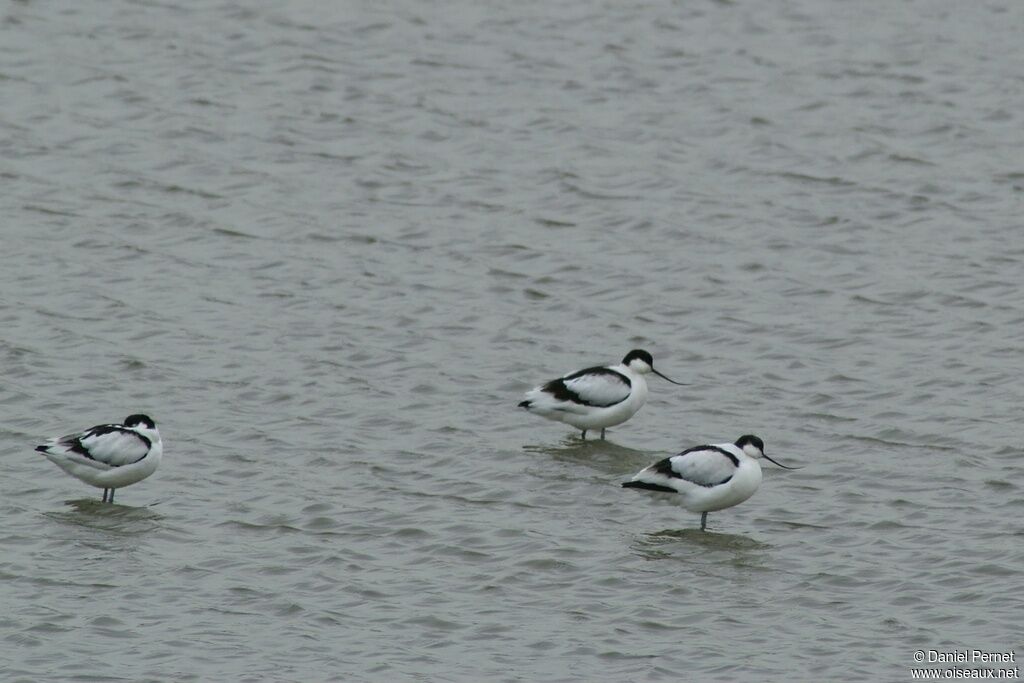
{"x":602,"y":432}
{"x":584,"y":436}
{"x":111,"y":496}
{"x":704,"y":521}
{"x":105,"y":492}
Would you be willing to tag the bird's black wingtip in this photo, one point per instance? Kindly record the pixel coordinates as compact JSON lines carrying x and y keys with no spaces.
{"x":43,"y":449}
{"x":648,"y":487}
{"x":524,"y":404}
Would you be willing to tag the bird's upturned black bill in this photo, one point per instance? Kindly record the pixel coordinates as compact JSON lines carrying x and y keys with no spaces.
{"x":785,"y":467}
{"x":666,"y":378}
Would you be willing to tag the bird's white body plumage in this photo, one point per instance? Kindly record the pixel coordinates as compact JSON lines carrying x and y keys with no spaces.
{"x":607,"y":399}
{"x":706,"y":477}
{"x":108,"y":456}
{"x":597,"y":397}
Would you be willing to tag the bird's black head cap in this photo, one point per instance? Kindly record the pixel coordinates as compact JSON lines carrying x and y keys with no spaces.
{"x":750,"y":439}
{"x":638,"y":354}
{"x":139,"y":420}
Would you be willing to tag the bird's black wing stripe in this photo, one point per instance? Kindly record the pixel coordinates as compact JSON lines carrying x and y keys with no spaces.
{"x":665,"y":467}
{"x":733,"y":458}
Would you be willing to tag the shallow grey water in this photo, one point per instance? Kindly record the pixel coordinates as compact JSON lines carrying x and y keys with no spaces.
{"x":327,"y":246}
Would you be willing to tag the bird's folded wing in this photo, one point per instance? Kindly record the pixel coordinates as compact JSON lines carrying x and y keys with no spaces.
{"x":703,"y":465}
{"x":595,"y":387}
{"x":109,"y":444}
